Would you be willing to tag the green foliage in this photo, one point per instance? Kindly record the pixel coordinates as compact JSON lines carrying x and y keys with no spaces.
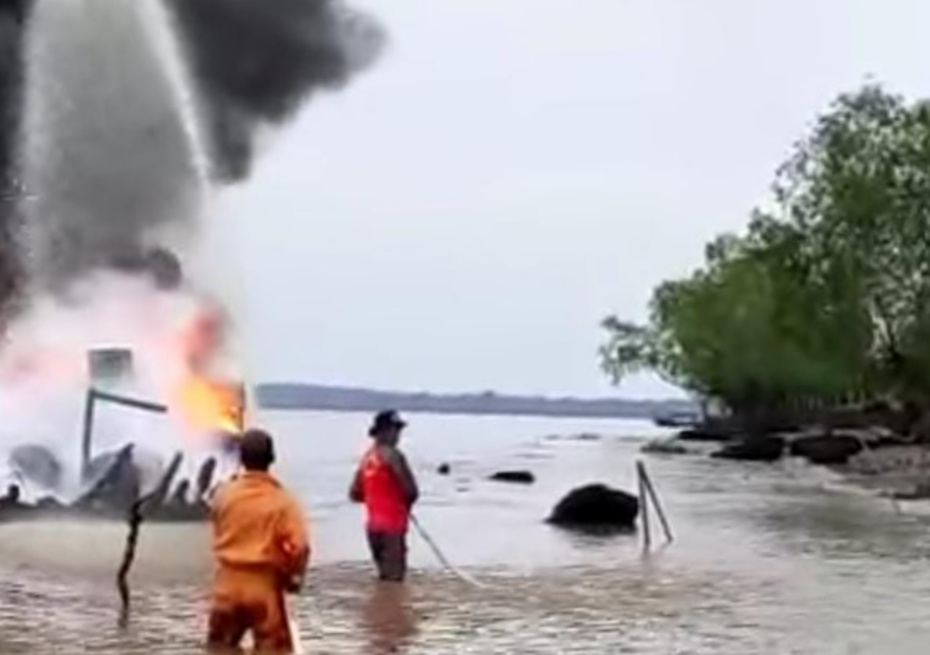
{"x":828,"y":296}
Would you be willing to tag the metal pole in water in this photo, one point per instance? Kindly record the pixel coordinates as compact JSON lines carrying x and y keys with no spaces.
{"x":133,"y":403}
{"x":94,"y":396}
{"x":88,"y":429}
{"x":646,"y":481}
{"x":644,"y":506}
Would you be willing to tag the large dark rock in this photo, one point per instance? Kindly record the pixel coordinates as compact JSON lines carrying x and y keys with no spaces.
{"x":760,"y":448}
{"x":727,"y":428}
{"x":517,"y":477}
{"x":598,"y":509}
{"x":826,"y":448}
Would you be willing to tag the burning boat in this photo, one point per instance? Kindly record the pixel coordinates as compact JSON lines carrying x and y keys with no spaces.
{"x":114,"y":482}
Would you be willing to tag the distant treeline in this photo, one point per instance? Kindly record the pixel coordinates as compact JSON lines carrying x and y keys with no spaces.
{"x":824,"y":300}
{"x":347,"y":399}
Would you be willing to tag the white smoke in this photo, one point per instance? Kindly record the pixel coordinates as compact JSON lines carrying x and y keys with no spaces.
{"x":44,"y":368}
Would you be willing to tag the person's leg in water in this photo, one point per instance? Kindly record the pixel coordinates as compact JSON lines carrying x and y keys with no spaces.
{"x":228,"y":625}
{"x":388,"y":620}
{"x":248,"y":602}
{"x":389,"y":551}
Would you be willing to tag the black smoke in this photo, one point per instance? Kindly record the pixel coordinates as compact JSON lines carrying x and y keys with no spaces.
{"x":252,"y":64}
{"x":14,"y":15}
{"x":256,"y":61}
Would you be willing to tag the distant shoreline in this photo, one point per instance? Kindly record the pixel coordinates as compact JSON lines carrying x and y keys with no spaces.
{"x":296,"y":396}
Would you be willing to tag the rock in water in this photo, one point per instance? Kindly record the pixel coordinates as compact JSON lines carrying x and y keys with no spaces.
{"x":444,"y":469}
{"x":516,"y":477}
{"x":38,"y":465}
{"x":664,"y":447}
{"x":598,"y":509}
{"x":920,"y":491}
{"x":753,"y":449}
{"x":826,"y":449}
{"x":703,"y":434}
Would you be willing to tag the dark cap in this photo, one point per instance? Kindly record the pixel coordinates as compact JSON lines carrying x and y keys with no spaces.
{"x":256,"y":450}
{"x":386,"y":420}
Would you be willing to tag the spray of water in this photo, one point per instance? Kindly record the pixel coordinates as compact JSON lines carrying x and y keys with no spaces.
{"x":256,"y":62}
{"x":107,"y":158}
{"x":13,"y":16}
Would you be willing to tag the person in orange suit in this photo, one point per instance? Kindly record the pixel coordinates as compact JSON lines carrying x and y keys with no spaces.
{"x":261,"y":549}
{"x":385,"y":483}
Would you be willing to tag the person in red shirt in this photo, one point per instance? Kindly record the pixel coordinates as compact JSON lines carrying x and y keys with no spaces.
{"x":385,"y":483}
{"x":261,"y":548}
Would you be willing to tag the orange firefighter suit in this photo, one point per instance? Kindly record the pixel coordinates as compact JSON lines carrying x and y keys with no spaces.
{"x":261,"y":549}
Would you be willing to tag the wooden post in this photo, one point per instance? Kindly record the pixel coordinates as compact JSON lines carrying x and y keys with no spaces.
{"x":644,"y":506}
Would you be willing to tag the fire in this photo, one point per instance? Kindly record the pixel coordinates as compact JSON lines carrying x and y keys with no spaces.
{"x":207,"y":402}
{"x":211,"y":406}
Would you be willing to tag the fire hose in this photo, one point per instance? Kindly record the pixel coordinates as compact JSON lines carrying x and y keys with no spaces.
{"x":437,"y":551}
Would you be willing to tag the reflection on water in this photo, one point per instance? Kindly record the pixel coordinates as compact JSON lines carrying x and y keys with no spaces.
{"x":768,"y":560}
{"x":387,"y":618}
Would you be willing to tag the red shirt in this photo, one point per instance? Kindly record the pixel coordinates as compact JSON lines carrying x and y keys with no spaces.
{"x":385,"y":499}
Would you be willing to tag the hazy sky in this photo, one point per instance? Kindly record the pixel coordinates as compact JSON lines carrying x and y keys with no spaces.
{"x":463,"y":215}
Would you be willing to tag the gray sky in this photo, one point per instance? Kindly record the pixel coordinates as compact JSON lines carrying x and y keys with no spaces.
{"x":463,"y":215}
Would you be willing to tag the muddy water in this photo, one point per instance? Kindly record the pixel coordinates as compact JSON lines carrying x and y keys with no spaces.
{"x":768,"y":559}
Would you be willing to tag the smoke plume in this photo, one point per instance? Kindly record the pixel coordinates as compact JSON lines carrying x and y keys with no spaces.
{"x":117,"y":118}
{"x":13,"y":17}
{"x":118,"y":115}
{"x":256,"y":62}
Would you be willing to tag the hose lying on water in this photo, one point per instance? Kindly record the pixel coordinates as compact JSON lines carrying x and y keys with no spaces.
{"x":442,"y":558}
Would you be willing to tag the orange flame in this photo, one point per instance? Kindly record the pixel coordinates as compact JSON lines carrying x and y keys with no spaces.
{"x":206,"y":402}
{"x":211,"y":406}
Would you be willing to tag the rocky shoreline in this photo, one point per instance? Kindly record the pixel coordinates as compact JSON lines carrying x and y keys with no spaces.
{"x":873,"y":458}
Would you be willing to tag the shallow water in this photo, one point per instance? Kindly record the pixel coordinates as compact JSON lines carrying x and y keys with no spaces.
{"x":768,"y":559}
